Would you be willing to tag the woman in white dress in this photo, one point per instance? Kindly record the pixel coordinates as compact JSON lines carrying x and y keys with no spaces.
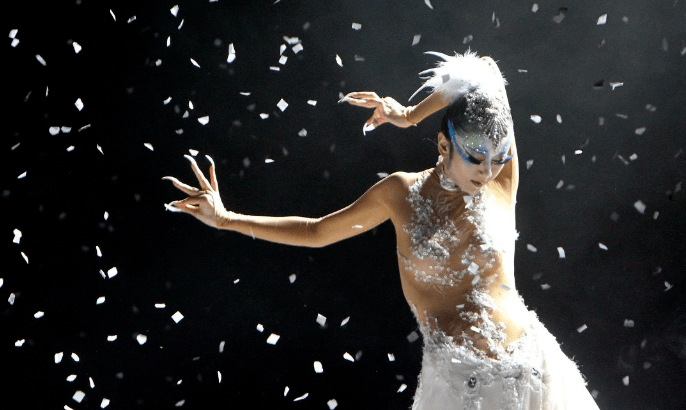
{"x":455,"y":230}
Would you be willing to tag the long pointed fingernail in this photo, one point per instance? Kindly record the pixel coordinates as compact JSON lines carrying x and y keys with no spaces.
{"x":171,"y":208}
{"x":188,"y":157}
{"x":344,"y":99}
{"x":209,"y":158}
{"x":168,"y":178}
{"x":367,"y":128}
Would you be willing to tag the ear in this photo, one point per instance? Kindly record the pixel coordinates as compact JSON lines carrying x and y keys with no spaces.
{"x":443,"y":145}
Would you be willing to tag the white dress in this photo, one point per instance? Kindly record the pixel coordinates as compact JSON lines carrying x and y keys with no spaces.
{"x":530,"y":373}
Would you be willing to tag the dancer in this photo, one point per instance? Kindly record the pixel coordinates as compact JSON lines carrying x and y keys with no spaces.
{"x":455,"y":230}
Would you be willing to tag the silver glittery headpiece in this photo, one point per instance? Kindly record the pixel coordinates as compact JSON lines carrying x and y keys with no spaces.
{"x":467,"y":75}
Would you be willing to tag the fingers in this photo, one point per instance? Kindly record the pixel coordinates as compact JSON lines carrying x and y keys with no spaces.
{"x":186,"y":189}
{"x":188,"y":205}
{"x":204,"y":184}
{"x":213,"y":174}
{"x":362,"y":99}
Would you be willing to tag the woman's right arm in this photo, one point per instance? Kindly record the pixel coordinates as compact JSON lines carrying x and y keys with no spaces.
{"x":371,"y":209}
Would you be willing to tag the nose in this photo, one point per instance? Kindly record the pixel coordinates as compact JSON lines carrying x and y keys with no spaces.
{"x":485,"y":169}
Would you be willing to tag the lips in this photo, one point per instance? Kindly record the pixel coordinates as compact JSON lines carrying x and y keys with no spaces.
{"x":477,"y":184}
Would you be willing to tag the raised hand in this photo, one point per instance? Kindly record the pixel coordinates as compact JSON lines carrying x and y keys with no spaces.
{"x":204,"y":203}
{"x":386,"y":109}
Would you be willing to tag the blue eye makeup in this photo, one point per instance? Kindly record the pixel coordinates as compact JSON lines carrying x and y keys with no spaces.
{"x":470,"y":158}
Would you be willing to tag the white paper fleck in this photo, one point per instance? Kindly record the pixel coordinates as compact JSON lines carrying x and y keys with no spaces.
{"x":111,"y":338}
{"x":391,"y":357}
{"x":625,"y":380}
{"x":402,"y":388}
{"x":345,"y":321}
{"x":312,"y":102}
{"x":17,"y":236}
{"x":560,"y":184}
{"x":112,"y":272}
{"x":219,"y":376}
{"x":160,"y":305}
{"x":180,"y":403}
{"x":297,"y":48}
{"x":285,"y":391}
{"x":71,"y":378}
{"x":628,"y":323}
{"x":149,"y":146}
{"x":318,"y":367}
{"x":616,"y":84}
{"x":204,"y":120}
{"x":428,"y":3}
{"x":104,"y":403}
{"x":23,"y":175}
{"x":283,"y":60}
{"x":602,"y":246}
{"x":602,"y":19}
{"x":40,"y":60}
{"x":348,"y":357}
{"x":640,"y":130}
{"x":79,"y":104}
{"x":332,"y":404}
{"x":302,"y":133}
{"x":561,"y":252}
{"x":232,"y":54}
{"x":273,"y":338}
{"x":534,"y":8}
{"x":282,"y":105}
{"x":357,"y":26}
{"x":339,"y":61}
{"x":26,"y":258}
{"x":19,"y":343}
{"x":416,"y":38}
{"x":303,"y":397}
{"x":77,"y":47}
{"x":174,"y":10}
{"x":668,"y":286}
{"x":367,"y":128}
{"x":581,"y":328}
{"x":58,"y":357}
{"x":177,"y":317}
{"x":75,"y":357}
{"x":92,"y":384}
{"x":221,"y":346}
{"x":640,"y":206}
{"x":141,"y":338}
{"x":321,"y":319}
{"x":292,"y":277}
{"x":100,"y":300}
{"x":545,"y":286}
{"x":264,"y":116}
{"x":268,"y":161}
{"x":531,"y":248}
{"x":78,"y":396}
{"x":10,"y":299}
{"x":260,"y":327}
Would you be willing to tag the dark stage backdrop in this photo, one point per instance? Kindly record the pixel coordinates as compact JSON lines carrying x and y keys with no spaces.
{"x":105,"y":97}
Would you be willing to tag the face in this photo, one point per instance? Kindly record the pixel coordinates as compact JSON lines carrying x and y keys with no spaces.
{"x":474,"y":161}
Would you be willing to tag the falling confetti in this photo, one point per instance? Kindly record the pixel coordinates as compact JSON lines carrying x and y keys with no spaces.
{"x":204,"y":120}
{"x":581,"y":328}
{"x":321,"y":319}
{"x":232,"y":54}
{"x":416,"y":38}
{"x":282,"y":105}
{"x":339,"y":61}
{"x":428,"y":3}
{"x":561,"y":252}
{"x":602,"y":20}
{"x":273,"y":338}
{"x":17,"y":236}
{"x":640,"y":206}
{"x":357,"y":26}
{"x":531,"y":248}
{"x":303,"y":397}
{"x":345,"y":321}
{"x":348,"y":357}
{"x":177,"y":317}
{"x":78,"y":396}
{"x":58,"y":357}
{"x":402,"y":388}
{"x":318,"y":367}
{"x":536,"y":119}
{"x":141,"y":338}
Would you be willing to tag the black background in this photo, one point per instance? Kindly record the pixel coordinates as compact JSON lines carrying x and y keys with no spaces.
{"x":553,"y":68}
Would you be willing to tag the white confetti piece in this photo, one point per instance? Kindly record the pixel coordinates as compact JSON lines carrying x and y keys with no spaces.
{"x":318,"y":367}
{"x":564,"y":159}
{"x":180,"y":403}
{"x":2,"y":281}
{"x":92,"y":384}
{"x":71,"y":378}
{"x":391,"y":357}
{"x":285,"y":391}
{"x":149,"y":146}
{"x":268,"y":161}
{"x":100,"y":300}
{"x":402,"y":388}
{"x":616,"y":84}
{"x":578,"y":152}
{"x":282,"y":105}
{"x":113,"y":16}
{"x":160,"y":305}
{"x":628,"y":323}
{"x":292,"y":277}
{"x":531,"y":248}
{"x":505,"y":287}
{"x":303,"y":397}
{"x":70,"y":148}
{"x":428,"y":3}
{"x":98,"y":251}
{"x":15,"y":42}
{"x":78,"y":396}
{"x":104,"y":403}
{"x":23,"y":175}
{"x":141,"y":338}
{"x":357,"y":26}
{"x":75,"y":357}
{"x":26,"y":258}
{"x":219,"y":376}
{"x":348,"y":357}
{"x":625,"y":380}
{"x":10,"y":299}
{"x":13,"y":33}
{"x":581,"y":328}
{"x":668,"y":286}
{"x":476,"y":280}
{"x":17,"y":236}
{"x":321,"y":319}
{"x":561,"y":252}
{"x":204,"y":120}
{"x":297,"y":48}
{"x":237,"y":280}
{"x":195,"y":63}
{"x":640,"y":206}
{"x":40,"y":60}
{"x":168,"y":41}
{"x":264,"y":116}
{"x":412,"y":337}
{"x":602,"y":246}
{"x":79,"y":104}
{"x":558,"y":18}
{"x":221,"y":346}
{"x":232,"y":54}
{"x":111,"y":338}
{"x":167,"y":101}
{"x":193,"y":152}
{"x":416,"y":38}
{"x":332,"y":404}
{"x":655,"y":215}
{"x":602,"y":20}
{"x":273,"y":68}
{"x":19,"y":343}
{"x":345,"y":321}
{"x":302,"y":133}
{"x":174,"y":10}
{"x":534,"y":8}
{"x":283,"y":60}
{"x":177,"y":317}
{"x":529,"y":163}
{"x":560,"y":184}
{"x":339,"y":61}
{"x":58,"y":357}
{"x":54,"y":130}
{"x":77,"y":47}
{"x":106,"y":215}
{"x":273,"y":338}
{"x":112,"y":272}
{"x":640,"y":130}
{"x":545,"y":286}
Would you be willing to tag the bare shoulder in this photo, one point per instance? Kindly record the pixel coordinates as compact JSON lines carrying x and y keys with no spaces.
{"x":394,"y":188}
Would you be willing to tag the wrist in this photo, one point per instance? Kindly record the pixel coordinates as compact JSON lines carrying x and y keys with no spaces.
{"x":409,"y":117}
{"x":226,"y":220}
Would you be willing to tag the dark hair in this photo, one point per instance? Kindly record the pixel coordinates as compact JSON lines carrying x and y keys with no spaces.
{"x":457,"y":114}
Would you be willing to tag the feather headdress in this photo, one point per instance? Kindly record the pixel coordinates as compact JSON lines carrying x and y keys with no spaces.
{"x":480,"y":82}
